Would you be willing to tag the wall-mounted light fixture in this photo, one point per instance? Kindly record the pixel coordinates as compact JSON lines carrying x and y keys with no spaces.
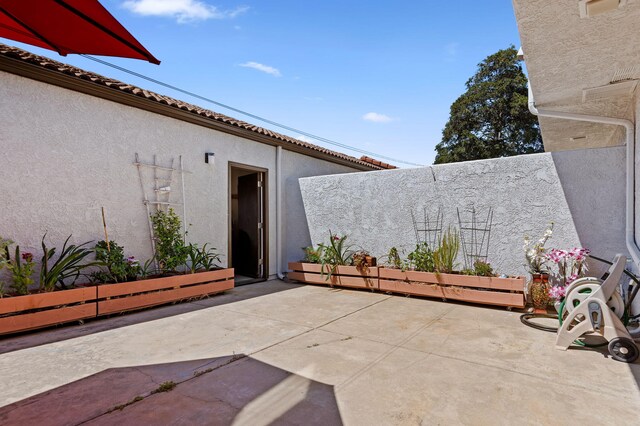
{"x":209,"y":155}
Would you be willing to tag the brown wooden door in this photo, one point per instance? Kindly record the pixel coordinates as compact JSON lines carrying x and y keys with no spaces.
{"x":249,"y":239}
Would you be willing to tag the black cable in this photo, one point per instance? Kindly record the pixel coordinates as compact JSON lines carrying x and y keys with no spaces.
{"x":248,"y":114}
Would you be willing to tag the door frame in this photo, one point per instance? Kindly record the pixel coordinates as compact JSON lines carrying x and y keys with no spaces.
{"x":265,"y":214}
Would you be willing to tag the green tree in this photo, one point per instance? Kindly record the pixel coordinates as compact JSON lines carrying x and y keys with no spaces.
{"x":491,"y":119}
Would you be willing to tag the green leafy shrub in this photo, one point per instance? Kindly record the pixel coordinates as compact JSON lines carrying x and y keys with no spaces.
{"x":171,"y":252}
{"x":201,"y":258}
{"x":393,"y":258}
{"x":334,"y":254}
{"x":68,"y":266}
{"x":483,"y":269}
{"x":4,"y":258}
{"x":444,"y":256}
{"x":312,"y":255}
{"x":422,"y":258}
{"x":21,"y":267}
{"x":148,"y":268}
{"x":118,"y":268}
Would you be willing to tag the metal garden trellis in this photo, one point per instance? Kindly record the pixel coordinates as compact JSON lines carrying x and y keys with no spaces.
{"x":475,"y":233}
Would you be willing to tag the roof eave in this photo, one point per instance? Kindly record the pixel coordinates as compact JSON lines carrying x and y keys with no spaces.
{"x":56,"y":78}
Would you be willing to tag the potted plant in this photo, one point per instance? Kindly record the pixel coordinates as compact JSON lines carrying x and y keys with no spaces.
{"x":566,"y":267}
{"x":335,"y":264}
{"x":183,"y":271}
{"x":54,"y":301}
{"x":431,"y":272}
{"x":537,"y":263}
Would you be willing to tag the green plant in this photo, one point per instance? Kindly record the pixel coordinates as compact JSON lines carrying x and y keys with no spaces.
{"x":334,"y":254}
{"x":312,"y":255}
{"x":393,"y":259}
{"x":483,"y":269}
{"x":21,"y":267}
{"x":201,"y":258}
{"x":148,"y":268}
{"x":68,"y":265}
{"x":359,"y":259}
{"x":422,"y":258}
{"x":4,"y":258}
{"x":170,"y":246}
{"x":165,"y":387}
{"x":118,"y":268}
{"x":444,"y":256}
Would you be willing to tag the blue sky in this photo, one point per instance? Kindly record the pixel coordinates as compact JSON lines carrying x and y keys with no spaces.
{"x":375,"y":75}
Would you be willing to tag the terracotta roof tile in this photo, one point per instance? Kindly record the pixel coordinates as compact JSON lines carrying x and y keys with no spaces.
{"x":44,"y":62}
{"x":378,"y":163}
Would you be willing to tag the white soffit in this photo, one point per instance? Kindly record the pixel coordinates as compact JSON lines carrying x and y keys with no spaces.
{"x":624,"y":88}
{"x":580,"y":65}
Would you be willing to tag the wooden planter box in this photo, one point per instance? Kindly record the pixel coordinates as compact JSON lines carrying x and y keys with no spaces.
{"x":344,"y":276}
{"x":45,"y":309}
{"x":122,"y":297}
{"x":22,"y":313}
{"x":468,"y":288}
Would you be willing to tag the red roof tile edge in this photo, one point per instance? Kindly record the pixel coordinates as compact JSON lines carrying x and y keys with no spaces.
{"x":377,"y":162}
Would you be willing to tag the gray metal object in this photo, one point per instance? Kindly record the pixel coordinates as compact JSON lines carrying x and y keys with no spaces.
{"x":429,"y":229}
{"x":475,"y":233}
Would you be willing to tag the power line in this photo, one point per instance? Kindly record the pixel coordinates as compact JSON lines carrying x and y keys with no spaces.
{"x":248,"y":114}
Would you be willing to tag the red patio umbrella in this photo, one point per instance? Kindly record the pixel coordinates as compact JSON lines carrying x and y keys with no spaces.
{"x":69,"y":26}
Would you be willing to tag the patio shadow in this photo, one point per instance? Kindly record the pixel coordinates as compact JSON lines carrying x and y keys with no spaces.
{"x":72,"y":330}
{"x":227,"y":390}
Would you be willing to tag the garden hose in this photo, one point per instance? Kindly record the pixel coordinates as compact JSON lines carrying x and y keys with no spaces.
{"x":626,"y":317}
{"x":525,"y":319}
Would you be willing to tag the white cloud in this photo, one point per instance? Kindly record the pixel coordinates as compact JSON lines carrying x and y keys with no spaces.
{"x":261,"y":67}
{"x":303,"y":138}
{"x":182,"y":10}
{"x":376,"y":118}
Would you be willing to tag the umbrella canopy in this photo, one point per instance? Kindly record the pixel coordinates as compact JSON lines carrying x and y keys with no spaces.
{"x":69,"y":26}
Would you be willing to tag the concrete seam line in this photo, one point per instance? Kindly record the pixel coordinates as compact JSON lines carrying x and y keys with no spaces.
{"x":390,"y":351}
{"x":318,"y":327}
{"x":147,"y":394}
{"x":533,"y":376}
{"x":265,"y":317}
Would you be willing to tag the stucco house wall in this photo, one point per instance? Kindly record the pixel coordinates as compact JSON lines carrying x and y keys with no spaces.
{"x":64,"y":155}
{"x":582,"y":192}
{"x":637,"y":160}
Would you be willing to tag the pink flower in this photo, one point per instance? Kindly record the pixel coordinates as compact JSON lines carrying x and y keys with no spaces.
{"x":27,"y":257}
{"x":579,"y":253}
{"x":336,"y":238}
{"x":557,"y":292}
{"x":557,"y":255}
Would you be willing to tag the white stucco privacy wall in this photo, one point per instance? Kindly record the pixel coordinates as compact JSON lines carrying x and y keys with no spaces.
{"x":582,"y":192}
{"x":64,"y":155}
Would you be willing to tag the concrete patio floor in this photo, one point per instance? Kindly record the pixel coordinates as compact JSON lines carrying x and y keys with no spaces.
{"x":279,"y":353}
